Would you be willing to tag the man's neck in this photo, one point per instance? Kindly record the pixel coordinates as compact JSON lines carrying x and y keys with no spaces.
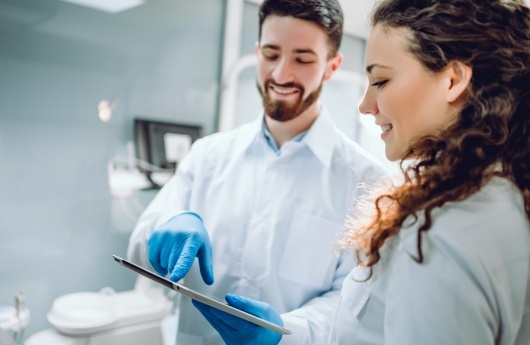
{"x":282,"y":132}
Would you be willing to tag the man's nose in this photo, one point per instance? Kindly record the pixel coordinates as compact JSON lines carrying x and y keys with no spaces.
{"x":283,"y":73}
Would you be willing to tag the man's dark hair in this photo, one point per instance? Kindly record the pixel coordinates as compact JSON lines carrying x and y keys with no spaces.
{"x":325,"y":13}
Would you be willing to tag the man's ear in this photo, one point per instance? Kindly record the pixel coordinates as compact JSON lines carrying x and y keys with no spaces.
{"x":333,"y":65}
{"x":458,"y":77}
{"x":256,"y":48}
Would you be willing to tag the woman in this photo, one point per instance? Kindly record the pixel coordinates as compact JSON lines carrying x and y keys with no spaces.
{"x":444,"y":257}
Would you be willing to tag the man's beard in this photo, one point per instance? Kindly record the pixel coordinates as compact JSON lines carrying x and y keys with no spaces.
{"x":281,"y":110}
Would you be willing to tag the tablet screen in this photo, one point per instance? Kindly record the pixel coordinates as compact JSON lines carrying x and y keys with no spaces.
{"x":211,"y":301}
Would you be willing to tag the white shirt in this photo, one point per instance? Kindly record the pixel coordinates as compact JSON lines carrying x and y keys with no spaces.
{"x":272,"y":218}
{"x":473,"y":287}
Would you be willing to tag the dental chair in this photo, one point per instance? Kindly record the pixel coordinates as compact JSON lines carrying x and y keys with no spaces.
{"x":137,"y":317}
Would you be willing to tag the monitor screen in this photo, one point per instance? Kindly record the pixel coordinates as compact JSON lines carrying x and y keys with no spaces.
{"x":163,"y":144}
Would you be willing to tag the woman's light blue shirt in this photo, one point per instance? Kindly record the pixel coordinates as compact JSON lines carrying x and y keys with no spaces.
{"x":472,"y":288}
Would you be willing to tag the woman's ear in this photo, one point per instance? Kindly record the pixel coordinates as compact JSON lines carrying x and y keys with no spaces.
{"x":458,"y":75}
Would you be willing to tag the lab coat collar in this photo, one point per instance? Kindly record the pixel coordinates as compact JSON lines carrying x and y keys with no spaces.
{"x":320,"y":138}
{"x":254,"y":133}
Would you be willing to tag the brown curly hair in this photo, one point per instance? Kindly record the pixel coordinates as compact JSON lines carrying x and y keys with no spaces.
{"x":491,"y":136}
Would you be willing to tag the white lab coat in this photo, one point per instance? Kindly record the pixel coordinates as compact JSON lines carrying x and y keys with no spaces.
{"x":273,"y":221}
{"x":473,"y":287}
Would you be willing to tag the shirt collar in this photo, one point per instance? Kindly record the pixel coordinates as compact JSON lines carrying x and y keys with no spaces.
{"x":320,"y":137}
{"x":254,"y":133}
{"x":272,"y":144}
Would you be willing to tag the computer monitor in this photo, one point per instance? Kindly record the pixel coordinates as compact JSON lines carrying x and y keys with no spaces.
{"x":163,"y":144}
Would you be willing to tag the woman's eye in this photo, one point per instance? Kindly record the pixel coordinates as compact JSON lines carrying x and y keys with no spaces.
{"x":379,"y":84}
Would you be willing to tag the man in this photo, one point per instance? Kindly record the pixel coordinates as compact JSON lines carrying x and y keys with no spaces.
{"x":261,"y":206}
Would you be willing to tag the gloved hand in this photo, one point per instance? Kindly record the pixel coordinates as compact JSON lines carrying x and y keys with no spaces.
{"x":236,"y":331}
{"x":174,"y":246}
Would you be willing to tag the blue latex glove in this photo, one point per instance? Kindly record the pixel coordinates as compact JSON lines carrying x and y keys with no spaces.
{"x":174,"y":246}
{"x":236,"y":331}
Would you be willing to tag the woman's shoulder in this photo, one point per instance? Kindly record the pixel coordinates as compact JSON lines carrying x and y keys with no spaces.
{"x":488,"y":225}
{"x":496,"y":208}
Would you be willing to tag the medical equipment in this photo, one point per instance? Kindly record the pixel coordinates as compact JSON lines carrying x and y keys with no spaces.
{"x":137,"y":317}
{"x":163,"y":144}
{"x":14,"y":320}
{"x":150,"y":161}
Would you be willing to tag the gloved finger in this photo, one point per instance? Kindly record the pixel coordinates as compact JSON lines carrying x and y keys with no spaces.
{"x":165,"y":252}
{"x":216,"y":321}
{"x":257,"y":308}
{"x":236,"y":324}
{"x":240,"y":303}
{"x":173,"y":257}
{"x":154,"y":250}
{"x":185,"y":260}
{"x":206,"y":262}
{"x":204,"y":309}
{"x":245,"y":304}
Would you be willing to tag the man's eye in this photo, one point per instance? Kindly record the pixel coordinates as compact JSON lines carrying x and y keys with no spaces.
{"x":379,"y":84}
{"x":302,"y":61}
{"x":270,"y":57}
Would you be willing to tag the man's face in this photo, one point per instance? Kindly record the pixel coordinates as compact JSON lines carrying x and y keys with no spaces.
{"x":292,"y":65}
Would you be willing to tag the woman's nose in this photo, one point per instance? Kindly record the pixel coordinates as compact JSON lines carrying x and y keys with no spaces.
{"x":368,"y":104}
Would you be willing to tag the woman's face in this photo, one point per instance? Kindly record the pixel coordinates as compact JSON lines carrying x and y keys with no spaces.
{"x":405,"y":99}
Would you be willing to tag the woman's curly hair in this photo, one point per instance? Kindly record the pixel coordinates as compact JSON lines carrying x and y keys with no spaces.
{"x":491,"y":136}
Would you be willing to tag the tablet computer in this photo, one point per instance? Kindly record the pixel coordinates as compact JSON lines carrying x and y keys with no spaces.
{"x":211,"y":301}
